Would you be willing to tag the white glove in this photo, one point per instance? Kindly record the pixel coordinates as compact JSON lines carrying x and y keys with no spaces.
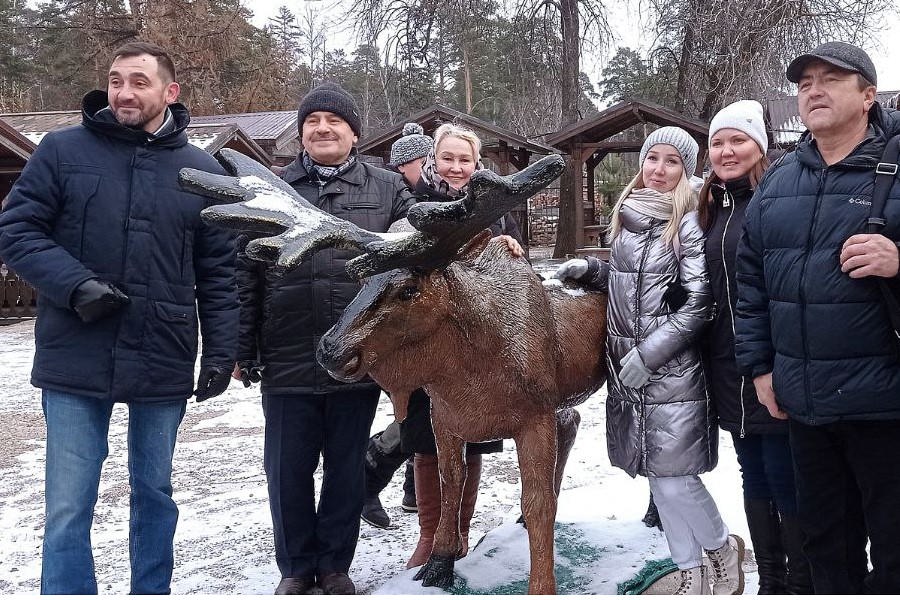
{"x":571,"y":269}
{"x":633,"y":374}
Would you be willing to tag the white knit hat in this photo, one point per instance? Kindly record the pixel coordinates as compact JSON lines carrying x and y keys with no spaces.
{"x":745,"y":116}
{"x":679,"y":139}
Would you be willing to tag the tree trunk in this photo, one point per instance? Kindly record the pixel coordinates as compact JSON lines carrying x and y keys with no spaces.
{"x":570,"y":201}
{"x":467,"y":76}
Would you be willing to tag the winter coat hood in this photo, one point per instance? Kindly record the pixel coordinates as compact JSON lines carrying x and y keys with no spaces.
{"x":104,"y":122}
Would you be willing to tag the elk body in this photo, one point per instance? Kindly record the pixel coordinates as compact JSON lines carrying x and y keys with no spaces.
{"x":500,"y":354}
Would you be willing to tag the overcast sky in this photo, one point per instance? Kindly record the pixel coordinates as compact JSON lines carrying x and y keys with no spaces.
{"x":623,"y":13}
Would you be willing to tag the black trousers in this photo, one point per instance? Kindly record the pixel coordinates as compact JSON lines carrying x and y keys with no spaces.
{"x":848,"y":491}
{"x":312,"y":540}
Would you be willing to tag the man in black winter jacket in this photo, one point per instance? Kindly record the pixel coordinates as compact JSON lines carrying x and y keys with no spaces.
{"x":124,"y":268}
{"x":283,"y":316}
{"x":811,"y":328}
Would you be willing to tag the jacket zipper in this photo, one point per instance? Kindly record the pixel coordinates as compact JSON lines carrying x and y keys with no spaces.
{"x":728,"y":200}
{"x":802,"y":294}
{"x":637,"y":318}
{"x":124,"y":262}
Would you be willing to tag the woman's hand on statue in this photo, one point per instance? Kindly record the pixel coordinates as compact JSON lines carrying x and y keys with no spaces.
{"x":514,"y":247}
{"x":574,"y":268}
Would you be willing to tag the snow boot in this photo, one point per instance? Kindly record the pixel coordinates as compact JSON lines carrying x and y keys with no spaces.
{"x":428,"y":501}
{"x":727,"y":575}
{"x":469,"y":498}
{"x":383,"y":458}
{"x":408,"y":504}
{"x":374,"y":514}
{"x":694,"y":582}
{"x":765,"y":533}
{"x":799,"y":577}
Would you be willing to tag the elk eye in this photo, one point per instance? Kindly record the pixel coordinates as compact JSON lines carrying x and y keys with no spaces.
{"x":408,"y":292}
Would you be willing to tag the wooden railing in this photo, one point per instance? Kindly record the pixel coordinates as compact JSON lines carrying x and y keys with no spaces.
{"x":18,"y":300}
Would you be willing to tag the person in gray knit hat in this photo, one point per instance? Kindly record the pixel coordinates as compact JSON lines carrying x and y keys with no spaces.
{"x":657,"y":407}
{"x":409,"y":151}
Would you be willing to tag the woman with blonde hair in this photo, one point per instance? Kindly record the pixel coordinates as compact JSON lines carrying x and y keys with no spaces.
{"x":659,"y":421}
{"x":446,"y":172}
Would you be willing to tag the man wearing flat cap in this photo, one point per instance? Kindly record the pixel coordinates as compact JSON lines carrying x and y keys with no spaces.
{"x":811,"y":328}
{"x":283,"y":315}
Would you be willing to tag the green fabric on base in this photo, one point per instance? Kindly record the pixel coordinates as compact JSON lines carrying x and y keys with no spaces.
{"x":647,"y":576}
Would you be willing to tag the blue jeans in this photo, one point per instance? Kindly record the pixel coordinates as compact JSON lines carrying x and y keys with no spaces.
{"x":77,"y":428}
{"x":767,"y":469}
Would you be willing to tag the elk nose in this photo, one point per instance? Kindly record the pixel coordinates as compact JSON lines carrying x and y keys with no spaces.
{"x":325,"y":353}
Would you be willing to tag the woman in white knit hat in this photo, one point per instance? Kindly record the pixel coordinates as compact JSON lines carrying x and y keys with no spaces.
{"x":737,"y":152}
{"x":659,"y":420}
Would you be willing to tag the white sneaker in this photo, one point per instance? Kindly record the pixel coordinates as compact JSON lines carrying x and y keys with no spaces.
{"x":694,"y":582}
{"x":726,"y":572}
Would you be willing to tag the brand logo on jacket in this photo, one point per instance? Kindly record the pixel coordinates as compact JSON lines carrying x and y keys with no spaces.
{"x":861,"y":201}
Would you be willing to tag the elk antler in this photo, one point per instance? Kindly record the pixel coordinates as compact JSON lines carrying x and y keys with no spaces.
{"x":260,"y":202}
{"x":445,"y":227}
{"x":265,"y":204}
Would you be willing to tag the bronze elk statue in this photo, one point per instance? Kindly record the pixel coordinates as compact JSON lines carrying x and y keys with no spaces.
{"x":442,"y":308}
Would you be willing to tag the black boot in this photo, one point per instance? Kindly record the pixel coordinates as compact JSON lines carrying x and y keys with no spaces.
{"x":374,"y":514}
{"x":383,"y":457}
{"x":799,"y":577}
{"x":651,"y":518}
{"x":408,"y":504}
{"x":765,"y":534}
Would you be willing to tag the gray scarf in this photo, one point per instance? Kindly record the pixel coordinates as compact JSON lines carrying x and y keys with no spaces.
{"x":651,"y":203}
{"x":324,"y":172}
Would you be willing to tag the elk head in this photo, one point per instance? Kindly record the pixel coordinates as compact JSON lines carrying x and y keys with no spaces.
{"x":406,"y":294}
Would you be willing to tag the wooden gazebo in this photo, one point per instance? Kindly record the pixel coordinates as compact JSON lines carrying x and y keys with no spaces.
{"x":588,"y":141}
{"x":507,"y":151}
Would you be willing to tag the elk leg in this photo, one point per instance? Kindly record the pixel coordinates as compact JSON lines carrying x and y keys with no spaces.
{"x":537,"y":462}
{"x":438,"y":571}
{"x":567,"y":422}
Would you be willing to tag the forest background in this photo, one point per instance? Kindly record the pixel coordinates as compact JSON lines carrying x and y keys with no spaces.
{"x":517,"y":63}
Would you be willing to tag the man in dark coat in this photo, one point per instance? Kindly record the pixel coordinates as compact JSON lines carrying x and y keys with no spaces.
{"x":283,"y":316}
{"x":124,"y":268}
{"x":811,"y":328}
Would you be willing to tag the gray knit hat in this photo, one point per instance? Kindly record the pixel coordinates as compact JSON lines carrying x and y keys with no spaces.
{"x":412,"y":145}
{"x":679,"y":139}
{"x":330,"y":97}
{"x":840,"y":54}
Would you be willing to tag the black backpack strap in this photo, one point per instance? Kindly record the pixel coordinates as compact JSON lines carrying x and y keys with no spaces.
{"x":885,"y":173}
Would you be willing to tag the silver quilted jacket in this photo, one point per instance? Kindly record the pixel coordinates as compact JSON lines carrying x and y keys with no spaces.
{"x":666,"y":428}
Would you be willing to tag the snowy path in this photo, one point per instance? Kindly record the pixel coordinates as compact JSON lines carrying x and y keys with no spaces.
{"x":224,"y":543}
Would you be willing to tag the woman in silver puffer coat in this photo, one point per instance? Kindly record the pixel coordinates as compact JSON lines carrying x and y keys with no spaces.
{"x":659,"y":419}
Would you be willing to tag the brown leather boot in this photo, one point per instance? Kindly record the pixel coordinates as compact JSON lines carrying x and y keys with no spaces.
{"x":428,"y":501}
{"x":470,"y":496}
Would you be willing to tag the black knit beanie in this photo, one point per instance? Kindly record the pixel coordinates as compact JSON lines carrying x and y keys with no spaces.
{"x":330,"y":97}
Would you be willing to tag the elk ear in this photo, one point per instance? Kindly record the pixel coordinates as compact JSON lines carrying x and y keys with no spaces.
{"x":475,"y":246}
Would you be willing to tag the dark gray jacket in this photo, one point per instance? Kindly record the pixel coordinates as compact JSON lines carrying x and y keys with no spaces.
{"x":666,"y":428}
{"x":283,"y":315}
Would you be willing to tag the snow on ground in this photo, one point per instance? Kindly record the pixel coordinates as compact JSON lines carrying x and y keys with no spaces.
{"x":224,"y":540}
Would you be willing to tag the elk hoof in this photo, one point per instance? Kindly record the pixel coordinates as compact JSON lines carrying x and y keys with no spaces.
{"x":437,"y":572}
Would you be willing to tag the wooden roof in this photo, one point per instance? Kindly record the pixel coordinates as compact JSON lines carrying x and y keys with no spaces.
{"x":15,"y":149}
{"x":619,"y":117}
{"x":212,"y":137}
{"x":431,"y":118}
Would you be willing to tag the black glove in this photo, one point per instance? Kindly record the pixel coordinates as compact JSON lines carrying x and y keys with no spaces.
{"x":251,"y":372}
{"x":95,"y":299}
{"x":211,"y":382}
